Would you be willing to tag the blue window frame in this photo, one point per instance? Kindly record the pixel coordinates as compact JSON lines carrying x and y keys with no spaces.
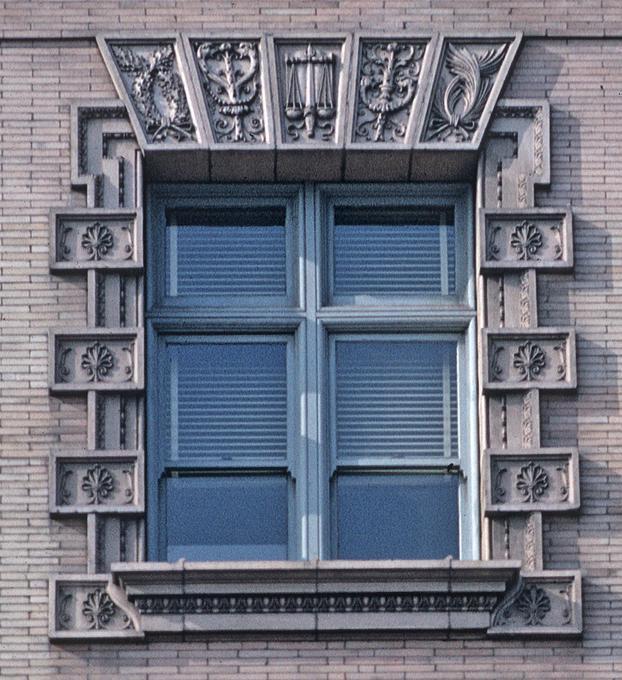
{"x":311,"y":382}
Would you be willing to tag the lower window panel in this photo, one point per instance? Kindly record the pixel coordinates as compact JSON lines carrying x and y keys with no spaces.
{"x":395,"y":516}
{"x":227,"y":517}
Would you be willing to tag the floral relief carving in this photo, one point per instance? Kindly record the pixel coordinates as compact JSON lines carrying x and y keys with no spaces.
{"x":97,"y":361}
{"x":534,"y":604}
{"x":495,"y":368}
{"x":462,"y":94}
{"x":97,"y":240}
{"x":389,"y":80}
{"x":529,"y":360}
{"x":157,"y":90}
{"x":98,"y":609}
{"x":532,"y":482}
{"x":309,"y":93}
{"x":231,"y":81}
{"x":526,"y":239}
{"x":98,"y":484}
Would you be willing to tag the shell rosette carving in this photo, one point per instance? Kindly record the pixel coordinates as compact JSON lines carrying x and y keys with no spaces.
{"x":97,"y":240}
{"x":529,"y":360}
{"x":526,"y":239}
{"x":231,"y":80}
{"x":532,"y":481}
{"x":468,"y":76}
{"x":97,"y":361}
{"x":388,"y":81}
{"x":98,"y":609}
{"x":157,"y":91}
{"x":98,"y":484}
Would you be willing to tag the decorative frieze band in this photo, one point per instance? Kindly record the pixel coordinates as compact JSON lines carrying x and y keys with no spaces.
{"x":95,"y":239}
{"x":88,"y":481}
{"x":96,"y":359}
{"x":540,"y":238}
{"x":548,"y":600}
{"x":526,"y":359}
{"x":524,"y":480}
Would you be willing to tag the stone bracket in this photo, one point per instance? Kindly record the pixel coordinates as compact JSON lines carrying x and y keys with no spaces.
{"x":542,"y":603}
{"x":528,"y":480}
{"x":96,"y":359}
{"x":540,"y":239}
{"x":104,"y":239}
{"x":87,"y":481}
{"x":542,"y":358}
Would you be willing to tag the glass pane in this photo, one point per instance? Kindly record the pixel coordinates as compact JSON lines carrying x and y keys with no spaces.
{"x":396,"y":516}
{"x":393,"y":252}
{"x":227,"y":251}
{"x":396,"y":398}
{"x":227,"y":517}
{"x":229,"y":400}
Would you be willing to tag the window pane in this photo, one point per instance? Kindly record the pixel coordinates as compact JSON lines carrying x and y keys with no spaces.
{"x":396,"y":516}
{"x":227,"y":251}
{"x":396,"y":398}
{"x":227,"y":517}
{"x":393,"y":252}
{"x":229,"y":400}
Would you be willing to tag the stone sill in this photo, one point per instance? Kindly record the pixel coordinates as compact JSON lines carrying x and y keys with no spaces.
{"x":315,"y":596}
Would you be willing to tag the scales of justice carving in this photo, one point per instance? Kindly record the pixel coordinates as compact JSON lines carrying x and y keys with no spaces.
{"x":231,"y":80}
{"x":389,"y":79}
{"x":309,"y":93}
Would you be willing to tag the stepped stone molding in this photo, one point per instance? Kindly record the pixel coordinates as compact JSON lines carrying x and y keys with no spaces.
{"x":217,"y":106}
{"x":546,"y":479}
{"x":99,"y":239}
{"x":89,"y":481}
{"x":540,"y":239}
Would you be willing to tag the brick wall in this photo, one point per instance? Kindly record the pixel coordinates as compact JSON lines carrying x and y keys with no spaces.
{"x":572,"y":56}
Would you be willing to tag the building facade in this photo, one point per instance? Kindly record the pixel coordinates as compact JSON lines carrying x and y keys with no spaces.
{"x":199,"y":477}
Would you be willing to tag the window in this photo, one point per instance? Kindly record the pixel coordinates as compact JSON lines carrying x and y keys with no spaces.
{"x":311,"y":380}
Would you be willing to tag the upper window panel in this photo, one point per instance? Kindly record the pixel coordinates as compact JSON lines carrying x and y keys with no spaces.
{"x":227,"y":247}
{"x":380,"y":253}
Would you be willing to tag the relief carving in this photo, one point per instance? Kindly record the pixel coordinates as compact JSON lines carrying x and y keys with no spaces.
{"x":534,"y":604}
{"x":97,"y":240}
{"x":98,"y":484}
{"x":467,"y":78}
{"x":388,"y":82}
{"x":529,"y":359}
{"x":98,"y":609}
{"x":157,"y":91}
{"x":532,"y":482}
{"x":526,"y":239}
{"x":309,"y":106}
{"x":97,"y":361}
{"x":231,"y":81}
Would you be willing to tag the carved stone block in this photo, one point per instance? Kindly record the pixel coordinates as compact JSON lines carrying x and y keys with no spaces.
{"x":517,"y":537}
{"x":529,"y":359}
{"x":102,"y":239}
{"x":538,"y":238}
{"x":96,"y":359}
{"x":84,"y":606}
{"x":97,"y":481}
{"x":148,"y":75}
{"x":546,"y":602}
{"x":468,"y":81}
{"x":546,"y":480}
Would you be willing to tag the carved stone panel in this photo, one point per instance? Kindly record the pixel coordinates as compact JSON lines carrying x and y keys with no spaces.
{"x":309,"y":76}
{"x":539,"y":239}
{"x":89,"y":606}
{"x":526,"y":359}
{"x":97,"y":481}
{"x":148,"y":75}
{"x":114,"y":538}
{"x":231,"y":75}
{"x":543,"y":602}
{"x":388,"y":76}
{"x":517,"y":537}
{"x":468,"y":81}
{"x":100,"y":239}
{"x":95,"y":359}
{"x":545,"y":480}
